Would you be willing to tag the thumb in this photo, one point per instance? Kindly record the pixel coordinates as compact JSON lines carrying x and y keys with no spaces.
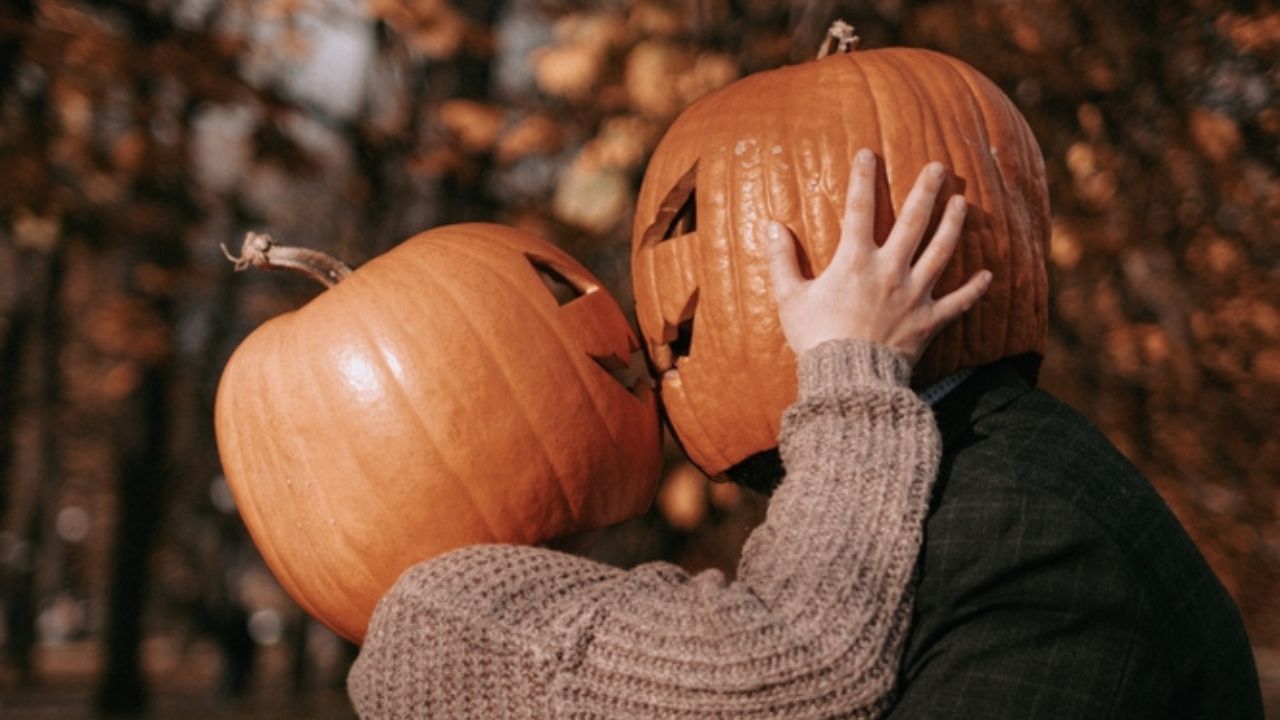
{"x":784,"y":269}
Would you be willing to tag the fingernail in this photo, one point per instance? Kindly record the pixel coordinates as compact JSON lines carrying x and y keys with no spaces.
{"x":773,"y":231}
{"x":986,"y":276}
{"x":959,"y":203}
{"x":865,"y":156}
{"x":936,"y":170}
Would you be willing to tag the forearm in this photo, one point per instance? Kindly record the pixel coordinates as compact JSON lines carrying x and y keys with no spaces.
{"x":814,"y":624}
{"x":861,"y":452}
{"x":812,"y":627}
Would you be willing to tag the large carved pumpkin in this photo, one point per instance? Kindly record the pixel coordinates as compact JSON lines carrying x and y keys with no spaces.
{"x":779,"y":144}
{"x":441,"y":395}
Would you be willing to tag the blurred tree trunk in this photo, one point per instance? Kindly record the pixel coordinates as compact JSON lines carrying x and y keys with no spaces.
{"x":143,"y":479}
{"x":464,"y":197}
{"x":153,"y":241}
{"x":12,"y":325}
{"x":13,"y":318}
{"x":211,"y":600}
{"x":36,"y":477}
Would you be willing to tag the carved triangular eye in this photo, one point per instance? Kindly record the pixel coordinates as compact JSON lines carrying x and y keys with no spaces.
{"x":677,"y":213}
{"x":561,"y":287}
{"x":686,"y":219}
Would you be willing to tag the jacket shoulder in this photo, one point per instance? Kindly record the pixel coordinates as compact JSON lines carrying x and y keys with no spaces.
{"x":1033,"y":500}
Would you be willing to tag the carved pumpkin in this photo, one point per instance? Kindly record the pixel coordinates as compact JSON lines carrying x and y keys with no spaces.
{"x":440,"y":396}
{"x":779,"y":144}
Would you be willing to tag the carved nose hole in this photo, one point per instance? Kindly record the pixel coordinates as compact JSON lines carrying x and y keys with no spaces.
{"x":681,"y":340}
{"x":684,"y":338}
{"x":561,"y":288}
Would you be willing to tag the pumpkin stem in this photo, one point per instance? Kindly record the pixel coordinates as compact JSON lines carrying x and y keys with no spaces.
{"x":840,"y":39}
{"x":260,"y":251}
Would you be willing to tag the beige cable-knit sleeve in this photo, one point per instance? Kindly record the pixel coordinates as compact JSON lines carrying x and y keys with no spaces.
{"x":812,"y":628}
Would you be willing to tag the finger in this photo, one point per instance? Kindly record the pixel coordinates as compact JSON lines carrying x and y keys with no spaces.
{"x":942,"y":246}
{"x":954,"y":304}
{"x":784,"y":268}
{"x":909,"y":228}
{"x":857,"y":226}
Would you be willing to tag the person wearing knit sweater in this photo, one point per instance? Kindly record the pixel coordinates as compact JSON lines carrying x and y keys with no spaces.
{"x":814,"y":624}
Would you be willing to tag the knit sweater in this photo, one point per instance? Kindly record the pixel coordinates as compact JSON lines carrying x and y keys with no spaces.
{"x":812,"y":627}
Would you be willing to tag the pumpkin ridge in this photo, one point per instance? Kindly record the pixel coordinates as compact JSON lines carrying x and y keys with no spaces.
{"x":1037,"y":217}
{"x":949,"y":352}
{"x":263,"y":452}
{"x":281,"y":377}
{"x":875,"y":111}
{"x":739,"y":333}
{"x":778,"y":181}
{"x":336,"y":577}
{"x":948,"y":355}
{"x":707,"y":448}
{"x":782,"y":181}
{"x":1009,"y":267}
{"x":617,"y":471}
{"x":745,"y":335}
{"x":939,"y":137}
{"x":244,"y":503}
{"x":813,"y":205}
{"x":711,"y":356}
{"x":291,"y":582}
{"x":891,"y":73}
{"x":427,"y":272}
{"x":574,"y":512}
{"x":412,"y":408}
{"x":1041,"y":218}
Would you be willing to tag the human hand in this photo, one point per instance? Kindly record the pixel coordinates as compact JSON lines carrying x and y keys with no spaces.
{"x":875,"y":293}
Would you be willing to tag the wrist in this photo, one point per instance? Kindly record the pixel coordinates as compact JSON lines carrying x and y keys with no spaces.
{"x":840,"y":364}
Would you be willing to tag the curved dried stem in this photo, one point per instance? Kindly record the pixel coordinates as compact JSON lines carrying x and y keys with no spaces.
{"x":260,"y":251}
{"x":840,"y":39}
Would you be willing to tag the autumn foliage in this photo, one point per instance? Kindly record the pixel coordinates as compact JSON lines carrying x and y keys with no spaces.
{"x":136,"y":137}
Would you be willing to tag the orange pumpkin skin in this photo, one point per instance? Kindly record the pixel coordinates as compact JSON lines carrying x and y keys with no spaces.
{"x":438,"y":397}
{"x":779,"y":144}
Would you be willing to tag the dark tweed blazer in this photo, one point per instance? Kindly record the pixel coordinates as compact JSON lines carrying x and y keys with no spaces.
{"x":1055,"y":583}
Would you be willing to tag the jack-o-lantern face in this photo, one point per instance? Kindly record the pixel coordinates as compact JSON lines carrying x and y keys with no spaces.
{"x":778,"y":145}
{"x":442,"y":395}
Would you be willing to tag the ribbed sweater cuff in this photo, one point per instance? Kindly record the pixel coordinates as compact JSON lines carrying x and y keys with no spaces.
{"x":839,"y":366}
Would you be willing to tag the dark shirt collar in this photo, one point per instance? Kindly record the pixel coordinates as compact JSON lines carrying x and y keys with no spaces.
{"x":988,"y":389}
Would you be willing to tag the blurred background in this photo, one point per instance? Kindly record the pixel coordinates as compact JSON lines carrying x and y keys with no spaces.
{"x":138,"y":135}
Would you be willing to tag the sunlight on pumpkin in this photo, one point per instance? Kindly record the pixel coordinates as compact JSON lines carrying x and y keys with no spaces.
{"x":393,"y":364}
{"x":359,"y":375}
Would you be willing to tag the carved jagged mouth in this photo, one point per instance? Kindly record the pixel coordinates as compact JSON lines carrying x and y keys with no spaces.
{"x":675,"y":222}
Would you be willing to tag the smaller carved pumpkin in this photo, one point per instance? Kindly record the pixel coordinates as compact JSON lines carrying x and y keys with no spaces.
{"x":442,"y":395}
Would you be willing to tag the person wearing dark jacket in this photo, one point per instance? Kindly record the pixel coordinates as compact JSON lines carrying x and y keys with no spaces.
{"x":1054,"y":582}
